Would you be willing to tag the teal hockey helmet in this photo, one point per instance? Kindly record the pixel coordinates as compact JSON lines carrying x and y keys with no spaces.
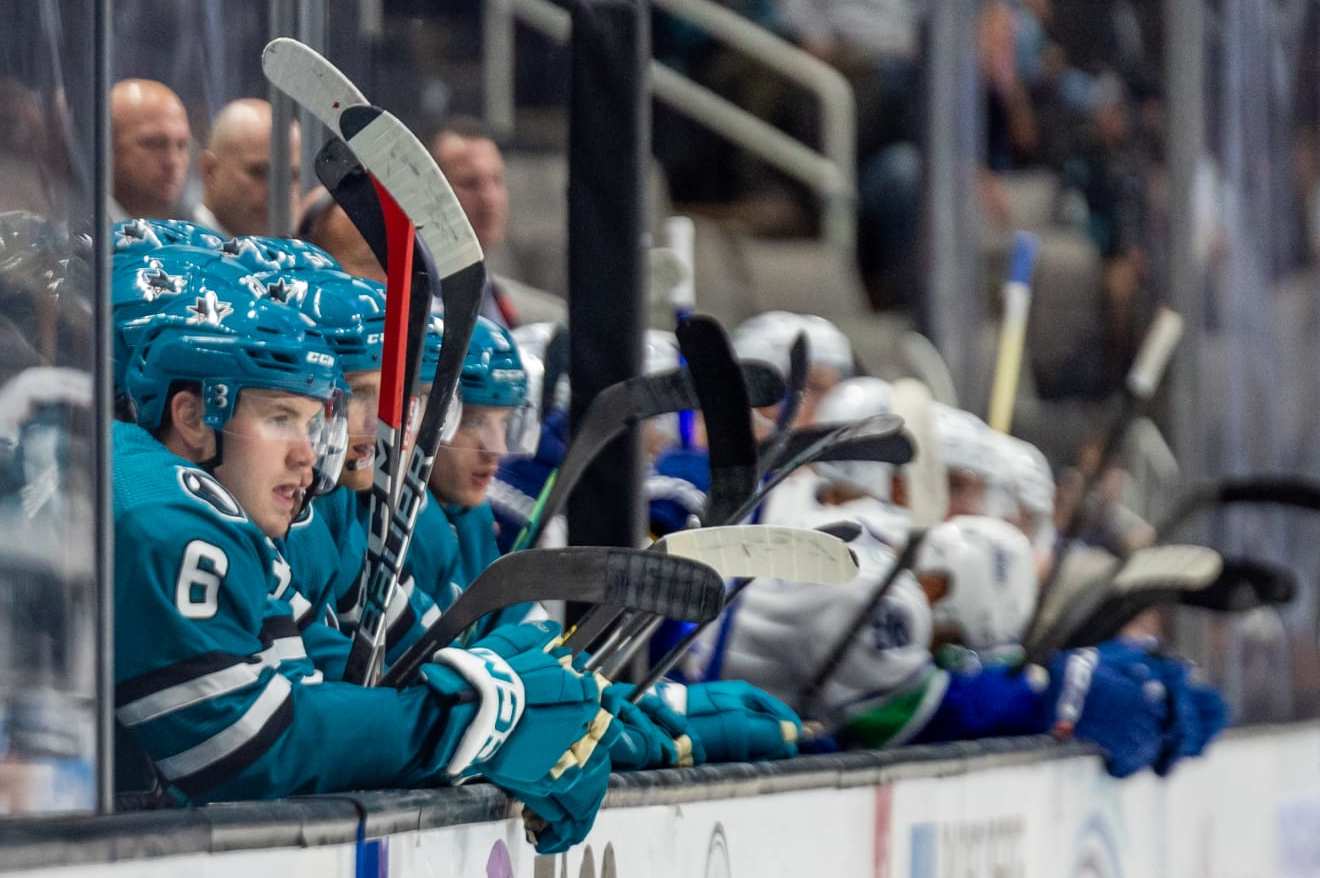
{"x":143,"y":282}
{"x":145,"y":235}
{"x":493,"y":376}
{"x":261,"y":253}
{"x":493,"y":373}
{"x":350,"y":312}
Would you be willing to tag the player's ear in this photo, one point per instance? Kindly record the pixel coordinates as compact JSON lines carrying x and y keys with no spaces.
{"x":898,"y":489}
{"x":207,"y":162}
{"x":189,"y":430}
{"x":935,"y":585}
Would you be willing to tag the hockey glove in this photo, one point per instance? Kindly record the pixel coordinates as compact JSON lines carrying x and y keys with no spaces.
{"x":1112,"y":698}
{"x":651,"y":734}
{"x":557,"y":821}
{"x":530,"y":709}
{"x":735,"y":721}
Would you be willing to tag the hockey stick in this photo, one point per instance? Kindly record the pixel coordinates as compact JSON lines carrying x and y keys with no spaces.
{"x":615,"y":409}
{"x":878,"y":438}
{"x":1142,"y":381}
{"x":1158,"y":569}
{"x":799,"y":363}
{"x":671,"y":586}
{"x":361,"y":199}
{"x":731,"y":448}
{"x":1299,"y":493}
{"x":401,"y":167}
{"x":884,"y":442}
{"x":1013,"y":330}
{"x":906,"y":558}
{"x":1242,"y":584}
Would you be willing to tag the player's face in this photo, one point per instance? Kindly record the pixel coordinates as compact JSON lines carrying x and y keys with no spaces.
{"x":358,"y":464}
{"x":820,"y":381}
{"x":966,"y":493}
{"x":269,"y":453}
{"x":464,"y":468}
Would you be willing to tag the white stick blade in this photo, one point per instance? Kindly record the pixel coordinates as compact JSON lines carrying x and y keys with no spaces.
{"x":314,"y":83}
{"x":400,"y":163}
{"x":1184,"y":566}
{"x":789,"y":553}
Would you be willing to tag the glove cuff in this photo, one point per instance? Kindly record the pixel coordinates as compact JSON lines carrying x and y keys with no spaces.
{"x":502,"y":703}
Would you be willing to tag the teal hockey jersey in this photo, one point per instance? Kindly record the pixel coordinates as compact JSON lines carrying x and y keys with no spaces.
{"x":212,"y":674}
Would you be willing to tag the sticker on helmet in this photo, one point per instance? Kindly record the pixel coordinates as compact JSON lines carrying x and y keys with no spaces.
{"x":209,"y":309}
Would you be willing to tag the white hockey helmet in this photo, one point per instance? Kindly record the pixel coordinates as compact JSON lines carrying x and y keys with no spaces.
{"x":769,"y":336}
{"x":660,"y":354}
{"x":1031,"y":482}
{"x":852,"y":400}
{"x":992,"y":579}
{"x":969,"y":446}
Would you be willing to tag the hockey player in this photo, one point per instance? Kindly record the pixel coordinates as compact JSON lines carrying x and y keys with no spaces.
{"x":769,"y":337}
{"x":497,"y":420}
{"x":326,"y":546}
{"x":1031,"y":484}
{"x":976,"y":469}
{"x":213,"y":679}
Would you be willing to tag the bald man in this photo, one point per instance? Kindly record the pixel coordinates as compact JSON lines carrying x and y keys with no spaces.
{"x":151,"y":140}
{"x":235,"y":167}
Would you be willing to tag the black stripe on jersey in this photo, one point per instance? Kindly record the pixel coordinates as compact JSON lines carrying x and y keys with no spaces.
{"x":172,"y":675}
{"x":235,"y":763}
{"x":277,"y":627}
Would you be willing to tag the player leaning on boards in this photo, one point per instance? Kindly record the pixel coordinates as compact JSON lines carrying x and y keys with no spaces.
{"x":232,"y":396}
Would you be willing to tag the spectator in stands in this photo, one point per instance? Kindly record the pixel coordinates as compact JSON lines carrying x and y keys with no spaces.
{"x":474,"y":165}
{"x":152,"y":140}
{"x":235,"y":168}
{"x":325,"y":224}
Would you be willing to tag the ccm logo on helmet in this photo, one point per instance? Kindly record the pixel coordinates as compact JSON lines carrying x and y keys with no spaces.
{"x":320,"y":359}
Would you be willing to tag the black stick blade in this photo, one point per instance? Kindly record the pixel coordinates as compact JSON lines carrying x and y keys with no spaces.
{"x":726,"y":411}
{"x":344,"y":178}
{"x":666,"y":585}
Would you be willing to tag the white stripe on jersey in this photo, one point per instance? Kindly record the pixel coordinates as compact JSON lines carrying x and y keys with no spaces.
{"x":186,"y":694}
{"x":225,"y":742}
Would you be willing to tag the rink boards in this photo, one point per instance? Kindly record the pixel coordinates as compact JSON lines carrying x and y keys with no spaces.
{"x":1005,"y":809}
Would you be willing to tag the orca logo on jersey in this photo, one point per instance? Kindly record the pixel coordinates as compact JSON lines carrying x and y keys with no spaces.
{"x":203,"y":486}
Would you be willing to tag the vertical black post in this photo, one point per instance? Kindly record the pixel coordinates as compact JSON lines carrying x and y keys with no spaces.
{"x":609,"y":147}
{"x":103,"y":521}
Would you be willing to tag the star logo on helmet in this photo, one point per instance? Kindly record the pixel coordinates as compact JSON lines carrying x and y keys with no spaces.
{"x":282,"y":290}
{"x":156,"y":282}
{"x":209,"y":309}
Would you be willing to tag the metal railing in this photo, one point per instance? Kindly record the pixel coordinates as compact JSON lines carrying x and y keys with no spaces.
{"x":829,"y":172}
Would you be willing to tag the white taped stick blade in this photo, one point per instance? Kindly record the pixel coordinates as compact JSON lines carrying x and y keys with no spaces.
{"x":1180,"y":566}
{"x":927,"y":483}
{"x":400,"y":163}
{"x":312,"y":81}
{"x":1156,"y":351}
{"x":789,"y":553}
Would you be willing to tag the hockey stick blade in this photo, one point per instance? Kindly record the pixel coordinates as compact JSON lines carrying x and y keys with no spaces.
{"x":400,"y":164}
{"x":616,"y":408}
{"x":794,"y":553}
{"x":313,"y":82}
{"x":1241,"y":585}
{"x":1155,"y":569}
{"x":1295,"y":492}
{"x":725,"y":407}
{"x":347,"y":181}
{"x":794,"y":391}
{"x":673,"y":587}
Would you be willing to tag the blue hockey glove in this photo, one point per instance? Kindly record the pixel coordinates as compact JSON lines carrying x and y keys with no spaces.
{"x":557,"y":821}
{"x":650,"y":727}
{"x":735,"y":721}
{"x":639,"y":743}
{"x":1112,"y":698}
{"x":530,"y":707}
{"x":1197,"y":714}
